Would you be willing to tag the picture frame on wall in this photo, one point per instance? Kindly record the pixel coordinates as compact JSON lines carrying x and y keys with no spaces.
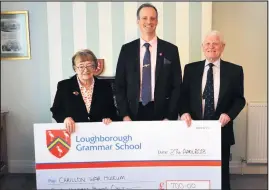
{"x":15,"y":39}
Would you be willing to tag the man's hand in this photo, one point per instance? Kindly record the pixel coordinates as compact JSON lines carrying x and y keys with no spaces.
{"x":127,"y":118}
{"x":187,"y":118}
{"x":224,"y":119}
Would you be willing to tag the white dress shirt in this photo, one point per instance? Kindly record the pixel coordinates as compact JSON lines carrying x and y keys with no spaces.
{"x":216,"y":81}
{"x":153,"y":56}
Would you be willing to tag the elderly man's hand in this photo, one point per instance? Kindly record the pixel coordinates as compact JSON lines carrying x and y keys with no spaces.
{"x":187,"y":118}
{"x":224,"y":119}
{"x":127,"y":118}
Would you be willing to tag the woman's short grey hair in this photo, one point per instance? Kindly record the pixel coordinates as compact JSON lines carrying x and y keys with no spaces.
{"x":84,"y":53}
{"x":143,"y":6}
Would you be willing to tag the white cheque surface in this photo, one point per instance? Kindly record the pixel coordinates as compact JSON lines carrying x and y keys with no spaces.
{"x":129,"y":155}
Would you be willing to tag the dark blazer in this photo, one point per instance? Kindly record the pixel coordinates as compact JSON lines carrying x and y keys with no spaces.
{"x":69,"y":102}
{"x":231,"y":96}
{"x":168,"y":80}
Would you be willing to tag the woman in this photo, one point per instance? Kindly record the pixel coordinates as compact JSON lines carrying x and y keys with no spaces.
{"x":83,"y":97}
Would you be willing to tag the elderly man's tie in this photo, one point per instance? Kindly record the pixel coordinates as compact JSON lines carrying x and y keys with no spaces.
{"x":208,"y":95}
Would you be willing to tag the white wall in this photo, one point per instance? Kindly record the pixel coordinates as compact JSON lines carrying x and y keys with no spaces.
{"x":25,"y":90}
{"x":244,"y":25}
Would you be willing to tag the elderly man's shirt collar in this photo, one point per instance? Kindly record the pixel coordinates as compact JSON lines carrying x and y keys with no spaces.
{"x":215,"y":63}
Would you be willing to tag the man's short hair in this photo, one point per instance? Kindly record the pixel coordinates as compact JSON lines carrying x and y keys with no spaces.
{"x":143,"y":6}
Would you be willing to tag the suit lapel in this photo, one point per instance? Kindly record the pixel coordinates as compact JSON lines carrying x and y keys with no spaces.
{"x":137,"y":61}
{"x":94,"y":95}
{"x":159,"y":59}
{"x":136,"y":73}
{"x":198,"y":88}
{"x":223,"y":82}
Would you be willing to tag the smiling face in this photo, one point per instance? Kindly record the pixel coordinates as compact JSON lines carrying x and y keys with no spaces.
{"x":213,"y":47}
{"x":147,"y":21}
{"x":84,"y":67}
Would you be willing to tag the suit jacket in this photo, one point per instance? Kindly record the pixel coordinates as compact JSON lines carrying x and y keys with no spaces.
{"x":231,"y":96}
{"x":168,"y":80}
{"x":68,"y":103}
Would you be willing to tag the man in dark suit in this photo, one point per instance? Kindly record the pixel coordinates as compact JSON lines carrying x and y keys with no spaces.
{"x":148,"y":75}
{"x":213,"y":89}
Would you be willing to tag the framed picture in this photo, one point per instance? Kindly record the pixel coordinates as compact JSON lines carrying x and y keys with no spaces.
{"x":15,"y":42}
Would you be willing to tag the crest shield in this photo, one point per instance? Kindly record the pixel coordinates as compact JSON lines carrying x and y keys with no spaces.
{"x":58,"y":142}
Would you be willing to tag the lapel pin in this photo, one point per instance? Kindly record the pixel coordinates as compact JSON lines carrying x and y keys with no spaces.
{"x":160,"y":54}
{"x":76,"y":93}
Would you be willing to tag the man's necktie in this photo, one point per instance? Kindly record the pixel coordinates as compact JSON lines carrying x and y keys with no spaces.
{"x":208,"y":95}
{"x":146,"y":77}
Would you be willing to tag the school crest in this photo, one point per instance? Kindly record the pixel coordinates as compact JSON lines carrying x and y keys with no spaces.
{"x":58,"y":142}
{"x":100,"y":67}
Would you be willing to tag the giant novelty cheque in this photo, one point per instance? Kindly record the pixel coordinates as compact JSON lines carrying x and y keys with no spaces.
{"x":129,"y":155}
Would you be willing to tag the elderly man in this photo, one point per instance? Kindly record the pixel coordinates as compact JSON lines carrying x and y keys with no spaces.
{"x":148,"y":75}
{"x":213,"y":89}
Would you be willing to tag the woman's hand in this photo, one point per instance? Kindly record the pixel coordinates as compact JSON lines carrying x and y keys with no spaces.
{"x":107,"y":121}
{"x":69,"y":124}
